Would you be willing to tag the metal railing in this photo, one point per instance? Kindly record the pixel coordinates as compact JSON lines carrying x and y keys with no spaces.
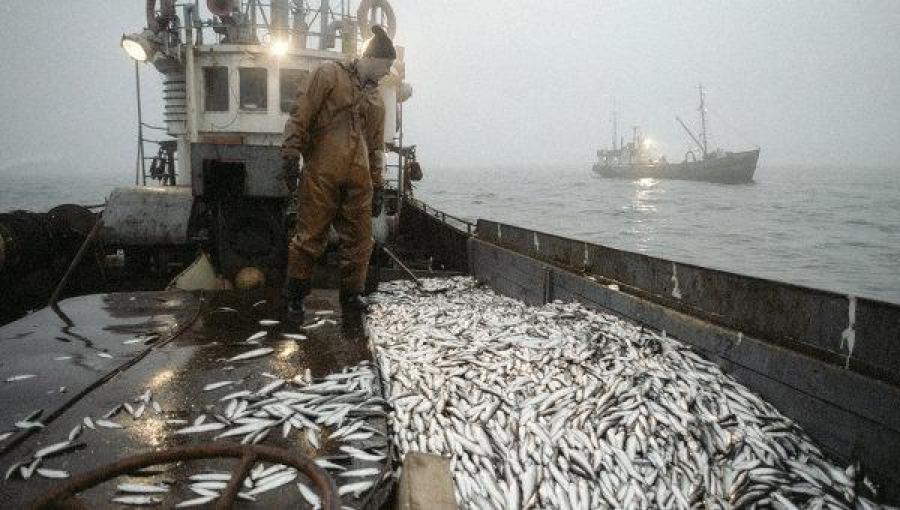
{"x":450,"y":220}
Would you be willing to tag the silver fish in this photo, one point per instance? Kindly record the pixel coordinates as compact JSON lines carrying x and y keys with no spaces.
{"x":203,"y":427}
{"x":137,"y":500}
{"x":210,"y":477}
{"x":273,"y":482}
{"x":360,"y":454}
{"x":53,"y":448}
{"x":24,"y":424}
{"x":210,"y":485}
{"x":355,"y":488}
{"x":136,"y":488}
{"x":22,"y":377}
{"x":52,"y":473}
{"x":256,"y":336}
{"x":75,"y":432}
{"x":256,"y":353}
{"x":108,"y":424}
{"x":310,"y":496}
{"x":560,"y":406}
{"x":269,"y":322}
{"x":361,"y":473}
{"x":188,"y":503}
{"x":104,"y":355}
{"x":217,"y":385}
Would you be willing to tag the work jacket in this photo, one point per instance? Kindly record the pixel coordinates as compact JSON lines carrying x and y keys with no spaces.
{"x":337,"y":123}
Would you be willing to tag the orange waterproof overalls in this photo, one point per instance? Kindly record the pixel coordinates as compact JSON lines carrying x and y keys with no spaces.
{"x":337,"y":126}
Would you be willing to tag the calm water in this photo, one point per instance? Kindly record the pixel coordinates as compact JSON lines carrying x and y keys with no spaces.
{"x":832,"y":228}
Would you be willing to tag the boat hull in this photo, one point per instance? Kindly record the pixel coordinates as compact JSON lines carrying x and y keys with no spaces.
{"x":732,"y":168}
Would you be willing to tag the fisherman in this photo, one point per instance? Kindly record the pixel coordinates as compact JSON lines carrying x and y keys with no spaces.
{"x":337,"y":127}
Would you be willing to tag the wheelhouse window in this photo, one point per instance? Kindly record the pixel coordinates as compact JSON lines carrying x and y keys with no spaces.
{"x":290,"y":82}
{"x":215,"y":87}
{"x":254,"y":89}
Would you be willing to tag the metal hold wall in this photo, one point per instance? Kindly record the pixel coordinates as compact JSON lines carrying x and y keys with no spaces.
{"x":859,"y":334}
{"x":854,"y":415}
{"x":432,"y":232}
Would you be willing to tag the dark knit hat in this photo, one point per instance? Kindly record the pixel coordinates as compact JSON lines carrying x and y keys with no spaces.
{"x":380,"y":45}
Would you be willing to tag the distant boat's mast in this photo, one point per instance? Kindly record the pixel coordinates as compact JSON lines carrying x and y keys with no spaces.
{"x":615,"y":123}
{"x":703,"y":137}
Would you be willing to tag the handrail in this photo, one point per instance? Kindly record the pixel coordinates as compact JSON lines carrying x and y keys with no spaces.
{"x":442,"y":216}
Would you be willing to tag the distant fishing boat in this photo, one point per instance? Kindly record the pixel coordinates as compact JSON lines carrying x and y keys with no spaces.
{"x":636,"y":160}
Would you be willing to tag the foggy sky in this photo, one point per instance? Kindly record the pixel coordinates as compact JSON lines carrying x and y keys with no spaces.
{"x":516,"y":82}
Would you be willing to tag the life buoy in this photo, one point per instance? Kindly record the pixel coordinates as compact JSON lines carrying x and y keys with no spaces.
{"x":221,"y":8}
{"x":167,"y":14}
{"x":364,"y":17}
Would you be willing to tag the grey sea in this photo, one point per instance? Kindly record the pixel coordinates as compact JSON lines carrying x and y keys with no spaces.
{"x":834,"y":228}
{"x":830,"y":228}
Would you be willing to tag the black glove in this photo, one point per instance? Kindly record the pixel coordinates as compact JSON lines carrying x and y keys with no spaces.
{"x":290,"y":167}
{"x":377,"y":201}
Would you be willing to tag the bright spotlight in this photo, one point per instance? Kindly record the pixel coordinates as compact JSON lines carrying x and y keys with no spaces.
{"x":279,"y":48}
{"x":141,"y":46}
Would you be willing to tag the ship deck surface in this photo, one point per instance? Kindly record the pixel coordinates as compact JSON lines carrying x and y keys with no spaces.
{"x":195,"y":339}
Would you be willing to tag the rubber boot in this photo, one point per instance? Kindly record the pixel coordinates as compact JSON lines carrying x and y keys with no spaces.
{"x":294,"y":292}
{"x":353,"y":302}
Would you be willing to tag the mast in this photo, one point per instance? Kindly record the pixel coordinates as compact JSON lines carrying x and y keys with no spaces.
{"x":615,"y":126}
{"x":703,"y":136}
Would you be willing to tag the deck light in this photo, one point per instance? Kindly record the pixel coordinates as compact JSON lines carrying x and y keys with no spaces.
{"x":140,"y":46}
{"x":279,"y":47}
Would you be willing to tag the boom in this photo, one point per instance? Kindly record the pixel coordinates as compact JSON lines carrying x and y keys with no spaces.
{"x":691,"y":134}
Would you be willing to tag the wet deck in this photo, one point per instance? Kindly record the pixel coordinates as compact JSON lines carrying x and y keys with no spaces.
{"x":195,"y":340}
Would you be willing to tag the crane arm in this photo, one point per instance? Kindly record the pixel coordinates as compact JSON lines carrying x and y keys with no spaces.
{"x":693,"y":137}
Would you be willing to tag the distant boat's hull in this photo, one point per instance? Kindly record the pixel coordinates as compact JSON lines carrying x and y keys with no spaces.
{"x":732,"y":168}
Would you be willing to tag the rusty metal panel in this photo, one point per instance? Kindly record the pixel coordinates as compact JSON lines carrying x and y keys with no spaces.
{"x":141,"y":216}
{"x":859,"y":334}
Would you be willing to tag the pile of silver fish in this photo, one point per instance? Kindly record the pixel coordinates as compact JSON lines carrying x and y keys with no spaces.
{"x":335,"y":409}
{"x":560,"y":406}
